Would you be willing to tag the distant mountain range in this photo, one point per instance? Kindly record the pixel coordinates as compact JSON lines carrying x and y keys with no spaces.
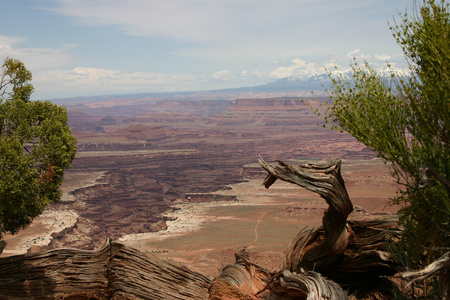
{"x":300,"y":86}
{"x":299,"y":83}
{"x":292,"y":86}
{"x":317,"y":83}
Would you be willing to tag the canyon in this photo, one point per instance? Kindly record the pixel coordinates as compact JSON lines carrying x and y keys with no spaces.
{"x":179,"y":178}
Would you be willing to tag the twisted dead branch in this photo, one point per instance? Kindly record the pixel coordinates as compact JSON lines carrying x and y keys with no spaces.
{"x":326,"y":180}
{"x":350,"y":253}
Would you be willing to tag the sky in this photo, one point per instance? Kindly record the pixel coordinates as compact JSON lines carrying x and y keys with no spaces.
{"x":103,"y":47}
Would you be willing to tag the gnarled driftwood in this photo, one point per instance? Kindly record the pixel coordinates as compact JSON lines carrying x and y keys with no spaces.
{"x":350,"y":253}
{"x":243,"y":280}
{"x":112,"y":272}
{"x":307,"y":285}
{"x":326,"y":180}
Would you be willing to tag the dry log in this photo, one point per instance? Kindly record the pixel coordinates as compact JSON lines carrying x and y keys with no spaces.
{"x":307,"y":285}
{"x":326,"y":180}
{"x":243,"y":280}
{"x":350,"y":253}
{"x":247,"y":281}
{"x":46,"y":275}
{"x":112,"y":272}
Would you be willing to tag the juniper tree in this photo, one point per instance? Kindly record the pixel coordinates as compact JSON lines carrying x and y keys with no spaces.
{"x":36,"y":146}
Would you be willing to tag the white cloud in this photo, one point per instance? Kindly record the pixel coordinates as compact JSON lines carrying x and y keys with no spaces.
{"x":240,"y":38}
{"x":6,"y":43}
{"x":358,"y":55}
{"x":297,"y":67}
{"x":105,"y":81}
{"x":383,"y":57}
{"x":35,"y":59}
{"x":185,"y":20}
{"x":222,"y":75}
{"x":80,"y":71}
{"x":258,"y":74}
{"x":236,"y":28}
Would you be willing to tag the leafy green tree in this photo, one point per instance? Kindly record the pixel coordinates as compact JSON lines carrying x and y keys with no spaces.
{"x":36,"y":146}
{"x":405,"y":120}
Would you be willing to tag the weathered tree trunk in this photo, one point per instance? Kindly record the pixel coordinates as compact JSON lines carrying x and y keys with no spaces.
{"x":307,"y":285}
{"x":326,"y":180}
{"x":113,"y":272}
{"x":351,"y":253}
{"x":244,"y":280}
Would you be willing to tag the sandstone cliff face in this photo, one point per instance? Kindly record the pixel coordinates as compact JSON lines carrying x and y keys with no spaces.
{"x":269,"y":104}
{"x":199,"y":108}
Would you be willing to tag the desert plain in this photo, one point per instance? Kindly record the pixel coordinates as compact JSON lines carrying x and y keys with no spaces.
{"x":179,"y":179}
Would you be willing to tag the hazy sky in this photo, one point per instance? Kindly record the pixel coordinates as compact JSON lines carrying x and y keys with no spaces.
{"x":95,"y":47}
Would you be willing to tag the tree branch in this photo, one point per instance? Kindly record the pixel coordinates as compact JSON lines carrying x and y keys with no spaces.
{"x":326,"y":180}
{"x":443,"y":263}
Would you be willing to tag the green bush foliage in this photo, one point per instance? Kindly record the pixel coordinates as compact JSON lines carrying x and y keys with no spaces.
{"x":405,"y":119}
{"x":36,"y":146}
